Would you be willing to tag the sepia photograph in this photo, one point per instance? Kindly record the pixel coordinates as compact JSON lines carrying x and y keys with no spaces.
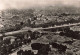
{"x":39,"y":27}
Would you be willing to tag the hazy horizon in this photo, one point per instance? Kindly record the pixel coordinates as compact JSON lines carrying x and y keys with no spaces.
{"x":19,"y":4}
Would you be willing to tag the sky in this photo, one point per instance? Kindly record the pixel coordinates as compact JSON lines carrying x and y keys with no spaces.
{"x":19,"y":4}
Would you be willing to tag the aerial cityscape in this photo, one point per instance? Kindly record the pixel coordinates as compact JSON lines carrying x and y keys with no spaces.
{"x":39,"y":27}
